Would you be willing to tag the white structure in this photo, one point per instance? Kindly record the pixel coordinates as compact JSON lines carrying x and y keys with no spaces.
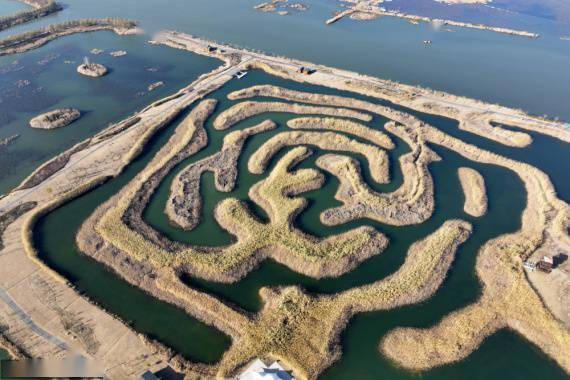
{"x":258,"y":370}
{"x":529,"y":265}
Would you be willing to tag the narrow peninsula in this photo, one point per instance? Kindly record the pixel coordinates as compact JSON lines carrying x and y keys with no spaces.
{"x":33,"y":39}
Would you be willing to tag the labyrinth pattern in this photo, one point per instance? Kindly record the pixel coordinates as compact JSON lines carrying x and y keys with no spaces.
{"x":299,"y":328}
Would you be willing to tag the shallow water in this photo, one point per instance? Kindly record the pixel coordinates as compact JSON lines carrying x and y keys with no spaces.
{"x":8,"y":7}
{"x":53,"y":83}
{"x":360,"y":340}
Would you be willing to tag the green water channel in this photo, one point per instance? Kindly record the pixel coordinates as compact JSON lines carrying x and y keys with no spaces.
{"x":4,"y":354}
{"x":360,"y":340}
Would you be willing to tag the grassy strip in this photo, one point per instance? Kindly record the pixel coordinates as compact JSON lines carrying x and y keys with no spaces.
{"x":246,"y":110}
{"x":184,"y":204}
{"x":323,"y":100}
{"x":508,"y":299}
{"x":33,"y":39}
{"x":51,"y":167}
{"x":377,"y":158}
{"x":40,"y":9}
{"x":14,"y":351}
{"x":346,"y":126}
{"x":480,"y":123}
{"x":10,"y":216}
{"x":473,"y":185}
{"x":32,"y":219}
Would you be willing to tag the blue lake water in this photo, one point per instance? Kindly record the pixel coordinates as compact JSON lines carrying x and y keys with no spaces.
{"x":8,"y":7}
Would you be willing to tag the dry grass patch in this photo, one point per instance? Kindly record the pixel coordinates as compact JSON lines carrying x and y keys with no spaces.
{"x":255,"y":240}
{"x":184,"y":205}
{"x":377,"y":158}
{"x":303,"y":330}
{"x":346,"y":126}
{"x":412,"y":203}
{"x":473,"y":185}
{"x":246,"y":110}
{"x":508,"y":300}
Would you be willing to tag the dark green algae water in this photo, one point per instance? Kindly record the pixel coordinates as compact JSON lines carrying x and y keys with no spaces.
{"x":503,"y":355}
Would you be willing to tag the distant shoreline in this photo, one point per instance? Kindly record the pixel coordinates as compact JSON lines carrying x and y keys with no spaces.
{"x":24,"y":42}
{"x":40,"y":8}
{"x":374,"y":12}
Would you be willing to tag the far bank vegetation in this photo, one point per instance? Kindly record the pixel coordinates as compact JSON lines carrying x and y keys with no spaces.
{"x":41,"y":8}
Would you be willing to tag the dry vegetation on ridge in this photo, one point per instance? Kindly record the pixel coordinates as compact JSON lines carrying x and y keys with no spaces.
{"x":184,"y":205}
{"x":508,"y":300}
{"x":473,"y":185}
{"x":377,"y":158}
{"x":412,"y":203}
{"x":302,"y":329}
{"x":284,"y":243}
{"x":246,"y":110}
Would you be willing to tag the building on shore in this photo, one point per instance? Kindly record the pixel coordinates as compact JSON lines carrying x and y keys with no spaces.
{"x":258,"y":370}
{"x":545,"y":264}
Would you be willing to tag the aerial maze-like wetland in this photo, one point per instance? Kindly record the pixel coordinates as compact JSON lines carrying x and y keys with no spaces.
{"x":322,"y":220}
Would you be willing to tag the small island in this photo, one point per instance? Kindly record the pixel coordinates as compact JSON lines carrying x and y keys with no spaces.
{"x":8,"y":140}
{"x":473,"y":185}
{"x":55,"y":119}
{"x":90,"y":69}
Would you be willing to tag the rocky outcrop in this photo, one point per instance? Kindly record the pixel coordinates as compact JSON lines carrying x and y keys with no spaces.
{"x":93,"y":70}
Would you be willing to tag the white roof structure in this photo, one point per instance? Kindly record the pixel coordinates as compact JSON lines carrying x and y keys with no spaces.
{"x":258,"y":370}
